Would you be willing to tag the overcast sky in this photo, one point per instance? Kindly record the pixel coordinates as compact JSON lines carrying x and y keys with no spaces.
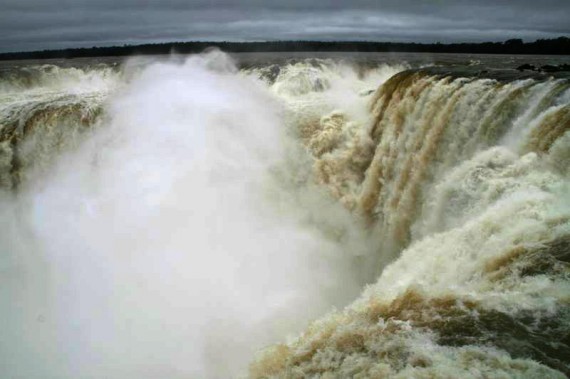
{"x":54,"y":24}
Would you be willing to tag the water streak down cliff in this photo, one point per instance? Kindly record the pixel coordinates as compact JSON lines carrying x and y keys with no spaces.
{"x":465,"y":183}
{"x":172,"y":219}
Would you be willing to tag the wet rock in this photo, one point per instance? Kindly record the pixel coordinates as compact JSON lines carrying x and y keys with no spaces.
{"x":555,"y":68}
{"x":273,"y":73}
{"x":526,"y":66}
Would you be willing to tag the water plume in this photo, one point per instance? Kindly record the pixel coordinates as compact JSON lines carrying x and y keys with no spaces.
{"x":171,"y":218}
{"x":170,"y":242}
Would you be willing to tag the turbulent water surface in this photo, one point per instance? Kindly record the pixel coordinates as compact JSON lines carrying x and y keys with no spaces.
{"x":284,"y":216}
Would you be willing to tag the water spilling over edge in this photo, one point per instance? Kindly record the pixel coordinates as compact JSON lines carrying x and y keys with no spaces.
{"x":457,"y":188}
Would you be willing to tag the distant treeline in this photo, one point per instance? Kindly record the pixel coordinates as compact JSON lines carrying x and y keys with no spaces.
{"x":557,"y":46}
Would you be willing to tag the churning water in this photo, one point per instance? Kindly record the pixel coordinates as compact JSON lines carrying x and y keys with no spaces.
{"x":191,"y":217}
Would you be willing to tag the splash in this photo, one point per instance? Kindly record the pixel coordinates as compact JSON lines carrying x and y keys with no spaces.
{"x":44,"y":110}
{"x":174,"y":218}
{"x":169,"y":240}
{"x":465,"y":187}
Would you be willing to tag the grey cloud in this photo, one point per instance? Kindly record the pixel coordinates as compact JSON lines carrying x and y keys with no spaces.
{"x":35,"y":24}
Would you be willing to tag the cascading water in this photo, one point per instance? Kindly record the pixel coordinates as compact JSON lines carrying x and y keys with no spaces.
{"x":465,"y":184}
{"x":171,"y":219}
{"x":43,"y":109}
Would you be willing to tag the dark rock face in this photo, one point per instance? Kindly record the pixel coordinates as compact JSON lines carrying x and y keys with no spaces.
{"x":545,"y":68}
{"x":558,"y":68}
{"x":526,"y":66}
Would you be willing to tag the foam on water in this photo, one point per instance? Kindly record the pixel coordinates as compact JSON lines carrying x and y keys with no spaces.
{"x":174,"y":217}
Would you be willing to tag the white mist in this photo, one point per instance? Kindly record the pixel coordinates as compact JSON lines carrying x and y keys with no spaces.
{"x":165,"y":246}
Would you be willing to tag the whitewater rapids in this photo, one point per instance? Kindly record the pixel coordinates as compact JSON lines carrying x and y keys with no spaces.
{"x":186,"y":218}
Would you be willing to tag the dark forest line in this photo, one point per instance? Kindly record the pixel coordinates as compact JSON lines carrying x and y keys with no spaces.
{"x":557,"y":46}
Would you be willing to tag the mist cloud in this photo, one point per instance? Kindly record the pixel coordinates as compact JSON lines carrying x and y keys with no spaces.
{"x":167,"y":245}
